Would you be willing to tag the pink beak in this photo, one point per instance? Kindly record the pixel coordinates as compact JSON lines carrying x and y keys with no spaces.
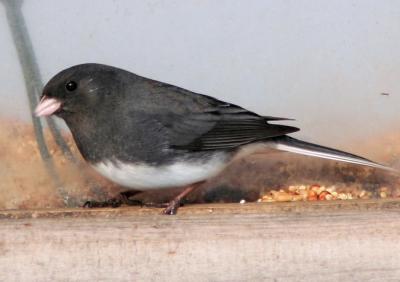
{"x":47,"y":106}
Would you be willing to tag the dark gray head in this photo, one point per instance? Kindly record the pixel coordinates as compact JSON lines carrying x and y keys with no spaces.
{"x":81,"y":89}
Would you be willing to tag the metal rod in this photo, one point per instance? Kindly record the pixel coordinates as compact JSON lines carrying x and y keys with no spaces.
{"x":29,"y":65}
{"x":33,"y":86}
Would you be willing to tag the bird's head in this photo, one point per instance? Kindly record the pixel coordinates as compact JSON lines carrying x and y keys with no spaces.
{"x":78,"y":89}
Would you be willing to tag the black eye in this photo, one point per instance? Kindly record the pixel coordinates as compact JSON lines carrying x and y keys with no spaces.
{"x":71,"y":85}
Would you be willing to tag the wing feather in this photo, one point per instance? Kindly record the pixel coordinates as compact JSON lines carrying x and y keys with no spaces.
{"x":197,"y":122}
{"x":224,"y":127}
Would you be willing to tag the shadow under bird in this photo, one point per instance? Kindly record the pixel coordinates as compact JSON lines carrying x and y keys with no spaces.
{"x":145,"y":134}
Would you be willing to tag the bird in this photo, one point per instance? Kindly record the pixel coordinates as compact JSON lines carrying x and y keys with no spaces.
{"x":145,"y":134}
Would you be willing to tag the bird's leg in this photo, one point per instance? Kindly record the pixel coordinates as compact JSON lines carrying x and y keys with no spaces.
{"x":126,"y":195}
{"x":173,"y":206}
{"x":122,"y":198}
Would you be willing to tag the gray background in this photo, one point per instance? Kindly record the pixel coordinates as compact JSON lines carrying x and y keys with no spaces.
{"x":323,"y":63}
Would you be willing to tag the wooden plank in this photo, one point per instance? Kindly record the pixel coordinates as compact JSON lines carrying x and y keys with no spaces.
{"x":322,"y":241}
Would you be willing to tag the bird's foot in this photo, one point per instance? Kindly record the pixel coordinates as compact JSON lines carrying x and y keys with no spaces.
{"x":114,"y":203}
{"x":172,"y":207}
{"x":122,"y":199}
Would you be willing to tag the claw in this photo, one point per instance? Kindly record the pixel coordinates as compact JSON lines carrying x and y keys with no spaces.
{"x":114,"y":203}
{"x":172,"y":208}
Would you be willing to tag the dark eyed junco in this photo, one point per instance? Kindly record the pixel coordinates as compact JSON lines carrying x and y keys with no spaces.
{"x":145,"y":134}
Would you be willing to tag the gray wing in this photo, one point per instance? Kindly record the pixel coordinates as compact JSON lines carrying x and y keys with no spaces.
{"x":198,"y":122}
{"x":223,"y":127}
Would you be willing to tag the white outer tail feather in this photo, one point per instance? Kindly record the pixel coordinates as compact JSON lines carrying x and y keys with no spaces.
{"x":314,"y":152}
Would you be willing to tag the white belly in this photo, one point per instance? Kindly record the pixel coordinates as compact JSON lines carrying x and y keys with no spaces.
{"x":147,"y":177}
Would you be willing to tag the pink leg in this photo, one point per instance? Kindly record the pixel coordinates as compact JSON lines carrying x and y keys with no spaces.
{"x":173,"y":206}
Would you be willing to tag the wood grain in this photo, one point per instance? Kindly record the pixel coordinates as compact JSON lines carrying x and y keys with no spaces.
{"x":324,"y":241}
